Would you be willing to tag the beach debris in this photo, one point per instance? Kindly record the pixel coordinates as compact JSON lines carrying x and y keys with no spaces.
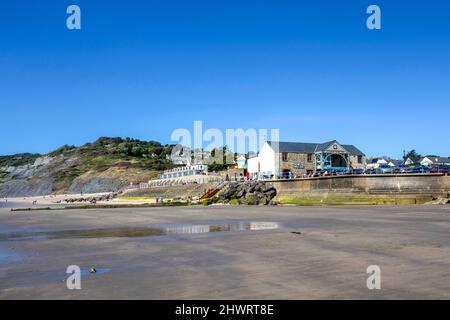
{"x":92,"y":270}
{"x":439,"y":201}
{"x":296,"y":232}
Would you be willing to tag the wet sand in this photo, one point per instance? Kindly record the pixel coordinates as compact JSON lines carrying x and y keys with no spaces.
{"x":227,"y":252}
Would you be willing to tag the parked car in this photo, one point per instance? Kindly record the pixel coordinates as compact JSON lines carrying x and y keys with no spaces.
{"x":401,"y":169}
{"x":329,"y":173}
{"x":420,"y":169}
{"x":440,"y":169}
{"x":285,"y":175}
{"x":384,"y":169}
{"x":354,"y":171}
{"x":409,"y":169}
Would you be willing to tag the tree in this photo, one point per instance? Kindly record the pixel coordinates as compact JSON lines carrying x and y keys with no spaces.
{"x":413,"y":155}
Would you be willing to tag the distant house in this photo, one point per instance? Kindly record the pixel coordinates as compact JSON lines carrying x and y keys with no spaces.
{"x":430,"y":161}
{"x":374,"y":163}
{"x":408,"y":162}
{"x":241,"y":162}
{"x":394,"y":163}
{"x":300,"y":158}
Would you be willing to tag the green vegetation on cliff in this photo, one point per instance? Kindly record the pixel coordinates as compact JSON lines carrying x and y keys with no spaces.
{"x":18,"y":160}
{"x":105,"y":151}
{"x":106,"y":164}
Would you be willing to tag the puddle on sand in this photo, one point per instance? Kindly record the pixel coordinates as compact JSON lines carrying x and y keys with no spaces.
{"x":7,"y":255}
{"x":129,"y":232}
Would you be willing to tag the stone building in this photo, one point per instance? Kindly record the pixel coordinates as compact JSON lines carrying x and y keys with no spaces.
{"x":290,"y":159}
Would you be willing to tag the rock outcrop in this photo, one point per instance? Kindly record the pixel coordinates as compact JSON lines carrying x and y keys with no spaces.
{"x":249,"y":192}
{"x":93,"y":199}
{"x":439,"y":201}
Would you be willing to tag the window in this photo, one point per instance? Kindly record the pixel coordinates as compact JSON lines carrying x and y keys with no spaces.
{"x":309,"y":157}
{"x":359,"y":159}
{"x":284,"y":156}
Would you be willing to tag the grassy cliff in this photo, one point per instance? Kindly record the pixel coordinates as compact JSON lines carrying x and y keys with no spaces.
{"x":108,"y":164}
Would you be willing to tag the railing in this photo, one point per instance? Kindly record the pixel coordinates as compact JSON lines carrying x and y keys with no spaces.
{"x":321,"y":175}
{"x":176,"y":182}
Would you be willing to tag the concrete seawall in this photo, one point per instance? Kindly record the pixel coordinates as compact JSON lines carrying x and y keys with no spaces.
{"x":363,"y":189}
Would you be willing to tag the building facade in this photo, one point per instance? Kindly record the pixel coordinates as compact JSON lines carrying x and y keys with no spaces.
{"x":185,"y":171}
{"x":432,"y":161}
{"x":296,"y":159}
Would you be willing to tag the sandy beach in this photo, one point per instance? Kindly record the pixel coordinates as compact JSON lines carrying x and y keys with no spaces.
{"x":227,"y":252}
{"x":55,"y":201}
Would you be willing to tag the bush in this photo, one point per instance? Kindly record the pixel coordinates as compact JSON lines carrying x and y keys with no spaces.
{"x":206,"y":202}
{"x":251,"y":200}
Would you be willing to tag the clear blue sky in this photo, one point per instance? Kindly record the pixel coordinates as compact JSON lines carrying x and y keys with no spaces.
{"x":144,"y":68}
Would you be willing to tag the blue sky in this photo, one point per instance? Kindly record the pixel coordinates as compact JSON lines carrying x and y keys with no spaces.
{"x":144,"y":68}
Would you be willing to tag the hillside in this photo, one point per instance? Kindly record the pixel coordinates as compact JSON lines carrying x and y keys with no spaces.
{"x":107,"y":164}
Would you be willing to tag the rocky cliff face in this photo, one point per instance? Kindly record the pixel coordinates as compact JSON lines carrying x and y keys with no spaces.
{"x":49,"y":175}
{"x":28,"y":180}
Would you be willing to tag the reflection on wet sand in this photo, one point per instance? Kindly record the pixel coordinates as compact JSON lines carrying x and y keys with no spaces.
{"x":141,"y":231}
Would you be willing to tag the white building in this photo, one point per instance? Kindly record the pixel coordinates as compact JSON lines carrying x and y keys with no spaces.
{"x":264,"y":163}
{"x":430,"y":161}
{"x":241,"y":162}
{"x":184,"y":175}
{"x":290,"y":159}
{"x":376,"y":162}
{"x":185,"y":171}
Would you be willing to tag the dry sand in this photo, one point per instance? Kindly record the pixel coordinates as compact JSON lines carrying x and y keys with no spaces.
{"x":328,"y":260}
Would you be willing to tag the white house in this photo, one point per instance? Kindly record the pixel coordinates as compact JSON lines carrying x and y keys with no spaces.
{"x":429,"y":161}
{"x":426,"y":161}
{"x":376,"y":162}
{"x":264,"y":162}
{"x":241,"y":162}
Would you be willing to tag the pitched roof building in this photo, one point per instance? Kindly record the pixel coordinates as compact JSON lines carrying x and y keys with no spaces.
{"x":429,"y":161}
{"x":300,"y":158}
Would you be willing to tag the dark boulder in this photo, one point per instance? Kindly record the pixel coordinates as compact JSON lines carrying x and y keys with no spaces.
{"x":249,"y":192}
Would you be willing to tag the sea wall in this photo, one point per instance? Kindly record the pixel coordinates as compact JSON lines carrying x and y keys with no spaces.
{"x":363,"y":189}
{"x":170,"y":192}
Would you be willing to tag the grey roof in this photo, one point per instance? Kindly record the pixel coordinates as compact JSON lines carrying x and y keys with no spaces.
{"x":299,"y":147}
{"x":443,"y":160}
{"x":438,"y":159}
{"x":306,"y":147}
{"x":394,"y":161}
{"x":352,"y":150}
{"x":324,"y":146}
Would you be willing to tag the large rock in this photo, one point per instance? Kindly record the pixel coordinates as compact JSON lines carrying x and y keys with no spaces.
{"x":249,"y":192}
